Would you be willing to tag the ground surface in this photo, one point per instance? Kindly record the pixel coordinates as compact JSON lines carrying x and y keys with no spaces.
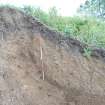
{"x":39,"y":67}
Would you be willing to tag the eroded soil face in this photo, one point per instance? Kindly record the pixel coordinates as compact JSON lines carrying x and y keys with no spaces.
{"x":36,"y":70}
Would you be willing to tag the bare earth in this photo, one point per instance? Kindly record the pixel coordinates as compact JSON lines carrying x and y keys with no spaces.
{"x":39,"y":67}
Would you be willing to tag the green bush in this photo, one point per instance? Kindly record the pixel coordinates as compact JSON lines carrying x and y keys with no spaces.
{"x":89,"y":30}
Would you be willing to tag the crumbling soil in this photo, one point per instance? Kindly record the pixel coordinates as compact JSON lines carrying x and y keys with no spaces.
{"x":39,"y":66}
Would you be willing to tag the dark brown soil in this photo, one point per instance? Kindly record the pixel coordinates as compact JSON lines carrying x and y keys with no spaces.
{"x":39,"y":66}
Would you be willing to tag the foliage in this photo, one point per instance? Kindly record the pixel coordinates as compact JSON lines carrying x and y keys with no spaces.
{"x":87,"y":52}
{"x":94,"y":8}
{"x":89,"y":30}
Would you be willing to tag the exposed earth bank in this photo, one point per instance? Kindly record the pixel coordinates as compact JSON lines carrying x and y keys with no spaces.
{"x":38,"y":66}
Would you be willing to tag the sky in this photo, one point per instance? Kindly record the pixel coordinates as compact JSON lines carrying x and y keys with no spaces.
{"x":65,"y":7}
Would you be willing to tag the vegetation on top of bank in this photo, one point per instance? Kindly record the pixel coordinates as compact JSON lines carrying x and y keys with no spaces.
{"x":89,"y":30}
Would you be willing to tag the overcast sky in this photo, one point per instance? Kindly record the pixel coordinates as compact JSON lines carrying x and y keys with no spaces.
{"x":65,"y":7}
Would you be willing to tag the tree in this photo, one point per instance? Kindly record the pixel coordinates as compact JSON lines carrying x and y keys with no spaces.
{"x":94,"y":7}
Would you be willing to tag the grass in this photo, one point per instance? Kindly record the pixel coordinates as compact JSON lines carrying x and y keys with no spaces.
{"x":87,"y":52}
{"x":88,"y":30}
